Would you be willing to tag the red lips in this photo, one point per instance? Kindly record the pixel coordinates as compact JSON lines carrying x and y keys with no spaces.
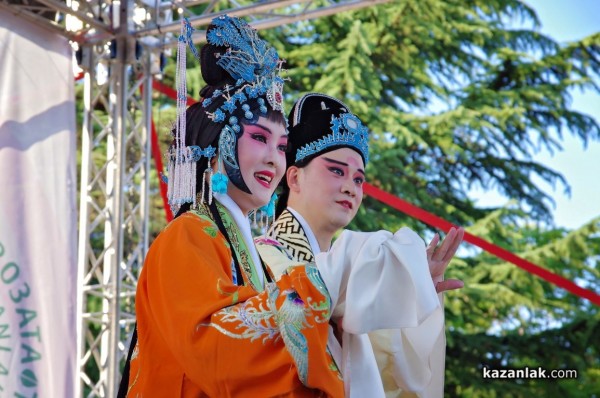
{"x":345,"y":203}
{"x":264,"y":177}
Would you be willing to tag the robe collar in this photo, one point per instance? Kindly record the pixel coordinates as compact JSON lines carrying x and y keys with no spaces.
{"x":293,"y":232}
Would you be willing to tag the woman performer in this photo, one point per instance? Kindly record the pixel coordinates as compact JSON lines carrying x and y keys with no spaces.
{"x":321,"y":195}
{"x":210,"y":320}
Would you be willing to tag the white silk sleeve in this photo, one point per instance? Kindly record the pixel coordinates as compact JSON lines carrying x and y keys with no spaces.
{"x":380,"y":284}
{"x":378,"y":280}
{"x":411,"y":359}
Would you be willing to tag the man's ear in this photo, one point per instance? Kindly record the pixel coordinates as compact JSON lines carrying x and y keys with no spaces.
{"x":293,"y":178}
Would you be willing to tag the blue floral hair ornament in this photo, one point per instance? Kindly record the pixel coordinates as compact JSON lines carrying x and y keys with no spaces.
{"x":192,"y":153}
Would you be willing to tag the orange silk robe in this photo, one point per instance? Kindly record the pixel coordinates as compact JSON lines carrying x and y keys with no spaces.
{"x":201,"y":335}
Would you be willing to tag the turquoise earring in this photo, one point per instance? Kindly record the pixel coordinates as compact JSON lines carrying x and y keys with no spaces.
{"x":269,"y":208}
{"x":219,"y":180}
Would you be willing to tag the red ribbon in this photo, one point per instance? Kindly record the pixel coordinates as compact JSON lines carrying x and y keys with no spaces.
{"x":169,"y":92}
{"x":435,"y":221}
{"x":419,"y":214}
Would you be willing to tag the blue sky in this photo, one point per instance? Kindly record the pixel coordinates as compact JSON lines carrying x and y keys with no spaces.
{"x":567,"y":21}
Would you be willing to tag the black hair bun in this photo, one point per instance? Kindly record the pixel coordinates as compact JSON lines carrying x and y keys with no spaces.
{"x":212,"y":73}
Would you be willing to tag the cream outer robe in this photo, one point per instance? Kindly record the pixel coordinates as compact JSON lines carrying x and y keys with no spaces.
{"x":393,"y":337}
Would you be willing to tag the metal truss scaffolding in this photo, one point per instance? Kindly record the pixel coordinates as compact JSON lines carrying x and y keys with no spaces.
{"x":119,"y":46}
{"x":113,"y":233}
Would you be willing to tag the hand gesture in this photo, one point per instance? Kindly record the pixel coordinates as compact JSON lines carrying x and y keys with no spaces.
{"x":438,"y":258}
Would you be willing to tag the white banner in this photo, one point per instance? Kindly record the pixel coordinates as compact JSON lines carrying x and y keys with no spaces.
{"x":38,"y":226}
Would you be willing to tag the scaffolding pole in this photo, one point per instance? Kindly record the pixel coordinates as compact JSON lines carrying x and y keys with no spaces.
{"x":119,"y":42}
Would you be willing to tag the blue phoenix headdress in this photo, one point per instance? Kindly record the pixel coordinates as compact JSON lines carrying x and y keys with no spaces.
{"x":255,"y":66}
{"x":251,"y":61}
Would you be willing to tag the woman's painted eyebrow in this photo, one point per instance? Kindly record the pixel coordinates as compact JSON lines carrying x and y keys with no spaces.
{"x":268,"y":130}
{"x":342,"y":164}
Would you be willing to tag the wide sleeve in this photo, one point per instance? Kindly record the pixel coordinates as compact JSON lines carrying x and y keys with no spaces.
{"x":380,"y":284}
{"x":411,"y":359}
{"x":230,"y":340}
{"x":378,"y":280}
